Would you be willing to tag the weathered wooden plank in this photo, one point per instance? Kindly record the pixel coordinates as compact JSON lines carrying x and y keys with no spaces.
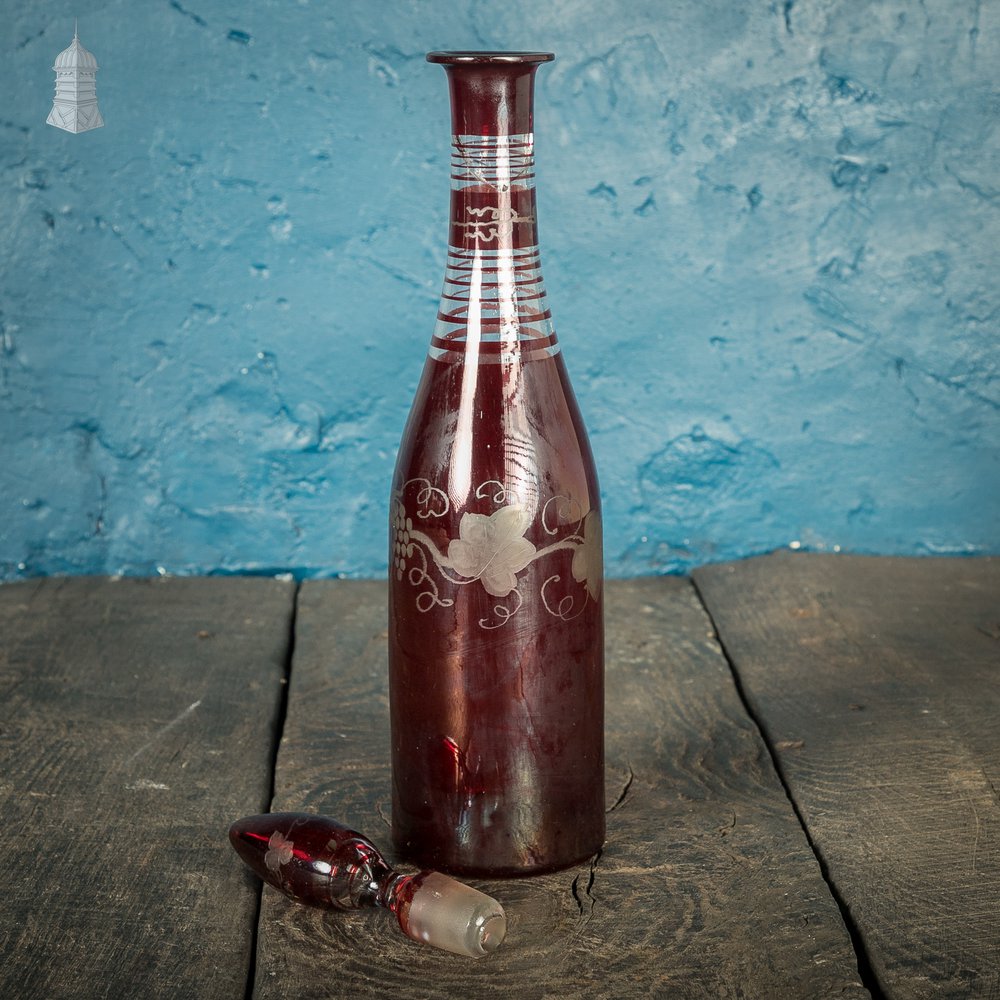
{"x":706,"y":887}
{"x":878,"y":682}
{"x":136,"y":721}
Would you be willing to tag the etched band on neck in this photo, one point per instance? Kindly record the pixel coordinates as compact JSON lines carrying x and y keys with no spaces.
{"x":493,"y":306}
{"x":493,"y":192}
{"x":495,"y":161}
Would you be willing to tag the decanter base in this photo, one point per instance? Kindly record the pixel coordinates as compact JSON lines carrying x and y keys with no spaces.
{"x":466,"y":868}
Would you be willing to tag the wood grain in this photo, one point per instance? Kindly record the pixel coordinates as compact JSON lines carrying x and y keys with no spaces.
{"x":136,"y":721}
{"x":706,"y":886}
{"x":878,"y":681}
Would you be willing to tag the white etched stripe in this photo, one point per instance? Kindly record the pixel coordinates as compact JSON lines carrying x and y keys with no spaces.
{"x":492,"y":160}
{"x":503,"y":357}
{"x":475,"y":253}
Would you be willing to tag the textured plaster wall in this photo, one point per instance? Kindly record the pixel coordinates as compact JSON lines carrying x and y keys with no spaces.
{"x":769,"y":234}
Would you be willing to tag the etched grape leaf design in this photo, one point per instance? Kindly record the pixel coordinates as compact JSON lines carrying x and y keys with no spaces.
{"x":492,"y":548}
{"x":279,"y":851}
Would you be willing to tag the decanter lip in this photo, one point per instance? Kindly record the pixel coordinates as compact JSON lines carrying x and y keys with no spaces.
{"x":472,"y":58}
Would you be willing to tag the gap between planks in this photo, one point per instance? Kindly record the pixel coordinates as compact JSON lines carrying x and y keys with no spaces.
{"x":265,"y":806}
{"x":865,"y":970}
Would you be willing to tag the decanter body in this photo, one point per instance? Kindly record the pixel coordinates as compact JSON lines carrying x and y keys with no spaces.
{"x":496,"y":637}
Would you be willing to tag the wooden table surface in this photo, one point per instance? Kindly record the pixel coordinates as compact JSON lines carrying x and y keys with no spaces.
{"x":803,"y":776}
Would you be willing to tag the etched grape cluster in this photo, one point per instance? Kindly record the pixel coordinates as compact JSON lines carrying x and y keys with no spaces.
{"x":402,"y":546}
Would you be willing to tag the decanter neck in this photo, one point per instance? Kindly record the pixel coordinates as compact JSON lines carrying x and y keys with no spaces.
{"x":492,"y":93}
{"x":493,"y":151}
{"x":493,"y":289}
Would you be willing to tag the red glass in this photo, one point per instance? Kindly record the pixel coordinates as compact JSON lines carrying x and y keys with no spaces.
{"x":319,"y":862}
{"x":496,"y":637}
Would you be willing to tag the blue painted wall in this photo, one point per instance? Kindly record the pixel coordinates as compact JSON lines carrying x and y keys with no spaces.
{"x":769,"y":234}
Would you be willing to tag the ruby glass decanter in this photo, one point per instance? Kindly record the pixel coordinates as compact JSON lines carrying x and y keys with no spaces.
{"x":496,"y":630}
